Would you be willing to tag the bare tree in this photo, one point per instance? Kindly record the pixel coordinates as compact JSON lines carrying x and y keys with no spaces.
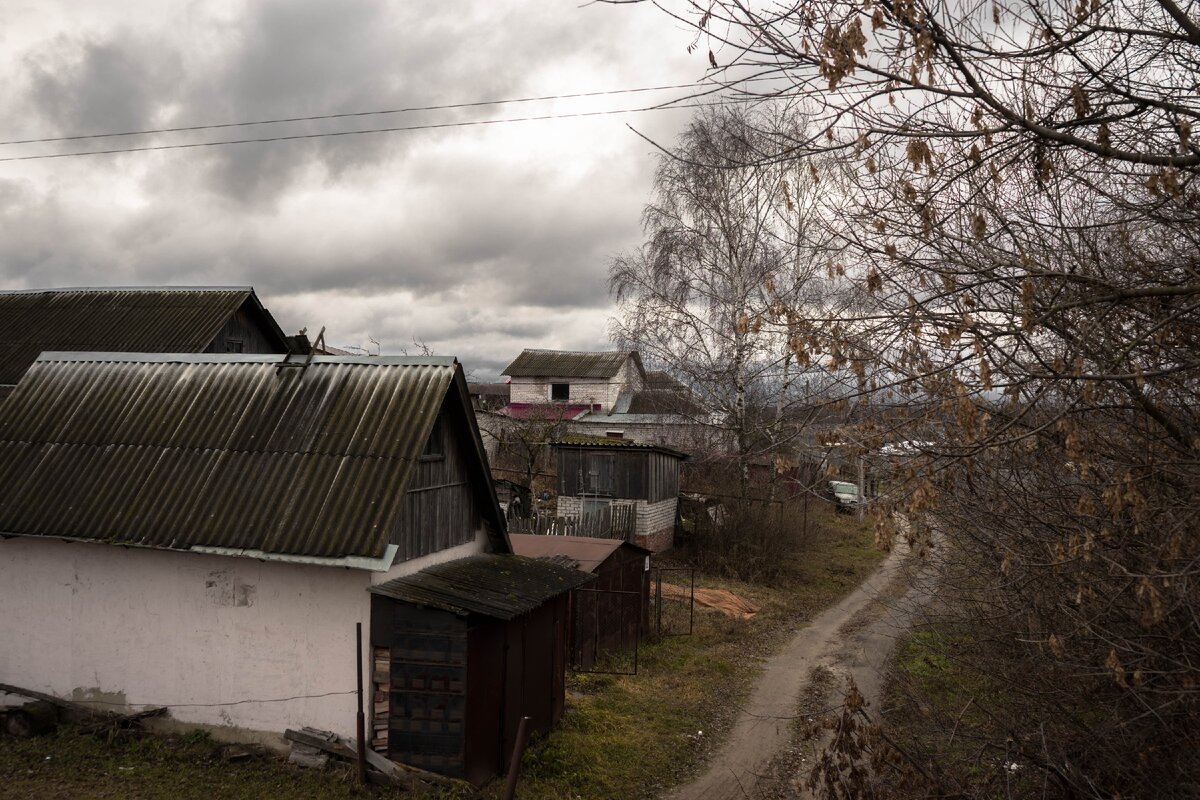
{"x":713,"y":295}
{"x":1023,"y":244}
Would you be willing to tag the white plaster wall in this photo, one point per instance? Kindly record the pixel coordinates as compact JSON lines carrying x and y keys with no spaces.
{"x":139,"y":627}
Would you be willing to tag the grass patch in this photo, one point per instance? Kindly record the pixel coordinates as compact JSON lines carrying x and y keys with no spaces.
{"x":72,"y":764}
{"x":945,"y":715}
{"x":631,"y":737}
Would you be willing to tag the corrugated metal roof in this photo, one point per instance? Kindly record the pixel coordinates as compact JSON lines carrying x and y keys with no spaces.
{"x":123,"y":319}
{"x":217,"y":450}
{"x":498,"y":586}
{"x":588,"y":552}
{"x":568,"y":364}
{"x":605,"y":442}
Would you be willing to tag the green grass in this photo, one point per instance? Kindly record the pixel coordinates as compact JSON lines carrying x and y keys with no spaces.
{"x":634,"y":736}
{"x":624,"y":737}
{"x":940,"y":710}
{"x":73,"y":764}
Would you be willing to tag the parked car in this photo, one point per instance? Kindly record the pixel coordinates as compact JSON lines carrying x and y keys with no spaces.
{"x":845,"y":495}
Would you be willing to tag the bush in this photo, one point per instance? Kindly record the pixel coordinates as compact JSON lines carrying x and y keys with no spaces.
{"x":747,"y":540}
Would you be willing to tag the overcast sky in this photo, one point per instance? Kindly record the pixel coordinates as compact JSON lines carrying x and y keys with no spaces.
{"x":477,"y":240}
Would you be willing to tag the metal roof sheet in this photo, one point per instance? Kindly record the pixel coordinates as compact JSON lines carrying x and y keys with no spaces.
{"x":228,"y":451}
{"x":605,"y":443}
{"x":588,"y":552}
{"x":569,"y":364}
{"x":182,"y":319}
{"x":498,"y":586}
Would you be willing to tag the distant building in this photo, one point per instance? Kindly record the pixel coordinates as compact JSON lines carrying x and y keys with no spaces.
{"x":582,"y":380}
{"x":594,"y":472}
{"x":606,"y":394}
{"x":166,"y":319}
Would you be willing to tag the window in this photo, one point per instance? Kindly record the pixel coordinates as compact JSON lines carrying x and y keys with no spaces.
{"x":615,"y":434}
{"x":433,"y":445}
{"x":560,"y":391}
{"x":234,"y":346}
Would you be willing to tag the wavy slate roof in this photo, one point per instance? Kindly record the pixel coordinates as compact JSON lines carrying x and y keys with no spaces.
{"x":498,"y":586}
{"x":127,"y":319}
{"x":230,"y":451}
{"x":568,"y":364}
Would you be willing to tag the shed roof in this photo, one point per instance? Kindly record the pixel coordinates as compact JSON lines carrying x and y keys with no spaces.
{"x":165,"y":319}
{"x":589,"y":552}
{"x":569,"y":363}
{"x":221,"y":451}
{"x":498,"y":586}
{"x":606,"y":443}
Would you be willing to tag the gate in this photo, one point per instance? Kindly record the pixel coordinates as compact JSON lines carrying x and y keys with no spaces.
{"x":607,"y":630}
{"x":672,"y":605}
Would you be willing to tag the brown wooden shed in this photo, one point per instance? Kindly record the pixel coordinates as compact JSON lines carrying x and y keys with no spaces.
{"x":609,"y":615}
{"x":473,"y":645}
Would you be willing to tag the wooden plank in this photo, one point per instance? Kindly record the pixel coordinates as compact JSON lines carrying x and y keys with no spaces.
{"x":318,"y":740}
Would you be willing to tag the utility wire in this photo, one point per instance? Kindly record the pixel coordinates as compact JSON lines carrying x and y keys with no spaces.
{"x":352,"y":114}
{"x":674,"y":104}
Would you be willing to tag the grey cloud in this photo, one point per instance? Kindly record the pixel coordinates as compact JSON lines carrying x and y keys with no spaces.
{"x":472,"y":235}
{"x":87,"y":85}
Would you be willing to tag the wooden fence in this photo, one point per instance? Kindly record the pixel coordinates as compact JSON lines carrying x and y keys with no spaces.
{"x":611,"y":522}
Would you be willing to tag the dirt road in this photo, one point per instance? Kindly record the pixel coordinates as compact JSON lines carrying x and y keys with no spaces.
{"x":854,"y":637}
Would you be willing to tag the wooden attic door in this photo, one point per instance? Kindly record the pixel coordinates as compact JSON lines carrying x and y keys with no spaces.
{"x":423,"y":704}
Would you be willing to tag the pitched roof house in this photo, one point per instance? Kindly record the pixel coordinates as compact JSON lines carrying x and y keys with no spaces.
{"x":183,"y":319}
{"x":606,"y":394}
{"x":577,"y":381}
{"x":203,"y":531}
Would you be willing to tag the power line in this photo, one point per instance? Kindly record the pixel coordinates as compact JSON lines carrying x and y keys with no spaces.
{"x":670,"y":105}
{"x":380,"y":112}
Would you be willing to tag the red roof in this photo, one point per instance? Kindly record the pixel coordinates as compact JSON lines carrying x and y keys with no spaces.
{"x":547,"y":411}
{"x":589,"y":552}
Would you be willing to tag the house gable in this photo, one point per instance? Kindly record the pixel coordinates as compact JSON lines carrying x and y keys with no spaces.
{"x":229,"y":454}
{"x":180,"y":319}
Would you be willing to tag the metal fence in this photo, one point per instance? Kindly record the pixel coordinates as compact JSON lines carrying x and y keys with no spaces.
{"x":672,"y":606}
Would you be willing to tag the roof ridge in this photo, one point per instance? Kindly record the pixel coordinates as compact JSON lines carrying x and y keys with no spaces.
{"x":64,"y":356}
{"x":177,"y":288}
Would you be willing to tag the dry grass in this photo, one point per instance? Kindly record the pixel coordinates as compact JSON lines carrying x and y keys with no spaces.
{"x":632,"y":737}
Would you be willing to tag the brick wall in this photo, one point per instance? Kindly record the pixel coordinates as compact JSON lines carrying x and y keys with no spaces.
{"x":583,"y":392}
{"x":655,"y":521}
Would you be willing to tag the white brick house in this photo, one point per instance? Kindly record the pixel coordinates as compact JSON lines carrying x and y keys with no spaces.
{"x":592,"y":381}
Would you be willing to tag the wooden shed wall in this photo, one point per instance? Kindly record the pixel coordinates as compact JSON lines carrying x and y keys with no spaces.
{"x":628,"y":468}
{"x":637,"y":474}
{"x":427,"y":705}
{"x":245,"y":328}
{"x":442,"y":506}
{"x":662,"y":477}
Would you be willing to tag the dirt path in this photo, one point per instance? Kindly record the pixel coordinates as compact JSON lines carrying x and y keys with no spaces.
{"x":853,"y":637}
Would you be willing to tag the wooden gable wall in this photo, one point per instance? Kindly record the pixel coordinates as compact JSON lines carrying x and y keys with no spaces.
{"x":442,"y":507}
{"x":246,"y":328}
